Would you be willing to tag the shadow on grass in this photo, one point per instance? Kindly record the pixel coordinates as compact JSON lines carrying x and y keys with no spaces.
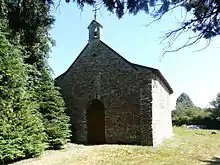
{"x":213,"y":161}
{"x":116,"y":143}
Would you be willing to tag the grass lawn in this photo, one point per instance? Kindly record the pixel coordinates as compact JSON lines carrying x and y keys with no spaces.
{"x":187,"y":147}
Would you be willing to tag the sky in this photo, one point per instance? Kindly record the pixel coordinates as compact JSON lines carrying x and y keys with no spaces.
{"x":188,"y":70}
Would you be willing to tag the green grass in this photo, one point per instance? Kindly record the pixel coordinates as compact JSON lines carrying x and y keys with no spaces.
{"x":187,"y":147}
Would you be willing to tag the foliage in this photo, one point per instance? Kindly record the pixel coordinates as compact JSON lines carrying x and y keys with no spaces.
{"x":21,"y":128}
{"x":188,"y":115}
{"x":184,"y":100}
{"x":30,"y":21}
{"x":202,"y":17}
{"x":216,"y":102}
{"x":216,"y":107}
{"x":52,"y":108}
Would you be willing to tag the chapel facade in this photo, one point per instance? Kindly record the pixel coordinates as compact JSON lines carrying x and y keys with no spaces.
{"x":111,"y":100}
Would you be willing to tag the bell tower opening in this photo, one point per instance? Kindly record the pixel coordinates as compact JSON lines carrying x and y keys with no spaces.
{"x":95,"y":33}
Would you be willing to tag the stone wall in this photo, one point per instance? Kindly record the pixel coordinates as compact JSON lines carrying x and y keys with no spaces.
{"x":145,"y":106}
{"x":161,"y":112}
{"x":128,"y":91}
{"x":99,"y":72}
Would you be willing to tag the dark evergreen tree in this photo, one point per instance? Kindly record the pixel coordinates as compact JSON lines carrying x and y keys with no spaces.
{"x":216,"y":107}
{"x":184,"y":100}
{"x":216,"y":102}
{"x":21,"y":129}
{"x":202,"y":17}
{"x":204,"y":20}
{"x":31,"y":21}
{"x":52,"y":108}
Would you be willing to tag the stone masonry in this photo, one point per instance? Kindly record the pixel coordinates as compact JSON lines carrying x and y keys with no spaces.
{"x":135,"y":98}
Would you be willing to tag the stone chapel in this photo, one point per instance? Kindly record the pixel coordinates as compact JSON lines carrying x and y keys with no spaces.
{"x":113,"y":101}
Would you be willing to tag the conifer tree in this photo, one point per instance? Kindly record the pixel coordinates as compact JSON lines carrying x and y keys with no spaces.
{"x":31,"y":20}
{"x":21,"y":129}
{"x":52,"y":108}
{"x":184,"y":100}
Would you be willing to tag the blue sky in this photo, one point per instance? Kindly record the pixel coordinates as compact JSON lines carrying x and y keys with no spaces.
{"x":195,"y":73}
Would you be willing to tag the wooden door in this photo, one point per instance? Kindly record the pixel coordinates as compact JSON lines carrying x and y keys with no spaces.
{"x":96,"y":122}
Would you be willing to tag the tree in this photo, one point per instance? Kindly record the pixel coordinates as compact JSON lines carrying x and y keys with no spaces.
{"x":204,"y":19}
{"x":21,"y":129}
{"x":184,"y":100}
{"x":216,"y":107}
{"x":52,"y":108}
{"x":30,"y":21}
{"x":216,"y":102}
{"x":189,"y":115}
{"x":201,"y":16}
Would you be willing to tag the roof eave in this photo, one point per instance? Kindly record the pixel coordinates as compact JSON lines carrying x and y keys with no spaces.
{"x":94,"y":21}
{"x":159,"y":74}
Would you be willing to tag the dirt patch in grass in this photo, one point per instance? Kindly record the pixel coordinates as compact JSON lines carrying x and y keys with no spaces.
{"x":187,"y":147}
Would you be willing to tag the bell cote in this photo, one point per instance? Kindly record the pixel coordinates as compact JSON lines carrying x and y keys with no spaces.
{"x":94,"y":30}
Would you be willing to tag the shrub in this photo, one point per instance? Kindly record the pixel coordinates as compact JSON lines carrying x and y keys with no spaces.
{"x":188,"y":115}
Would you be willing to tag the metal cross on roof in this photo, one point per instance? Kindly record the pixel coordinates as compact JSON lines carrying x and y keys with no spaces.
{"x":95,"y":12}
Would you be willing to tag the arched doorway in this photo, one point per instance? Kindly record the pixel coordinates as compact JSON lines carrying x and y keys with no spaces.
{"x":96,"y":122}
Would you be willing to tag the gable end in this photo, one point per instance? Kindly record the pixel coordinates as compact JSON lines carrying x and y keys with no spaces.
{"x":158,"y":74}
{"x":60,"y":77}
{"x":118,"y":55}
